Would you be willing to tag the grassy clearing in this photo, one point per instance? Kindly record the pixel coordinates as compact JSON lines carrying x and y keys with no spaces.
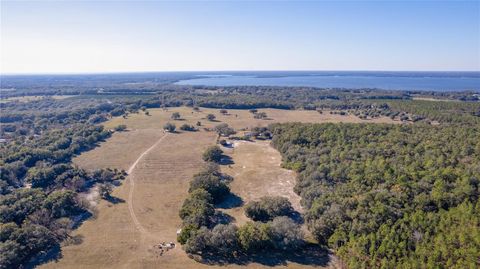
{"x":21,"y":99}
{"x":25,"y":99}
{"x":111,"y":240}
{"x":434,"y":99}
{"x":236,"y":118}
{"x":257,"y":172}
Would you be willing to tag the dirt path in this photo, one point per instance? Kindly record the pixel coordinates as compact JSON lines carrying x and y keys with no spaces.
{"x":131,"y":178}
{"x":160,"y":168}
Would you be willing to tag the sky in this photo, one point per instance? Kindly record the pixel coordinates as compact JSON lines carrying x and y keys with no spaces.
{"x":135,"y":36}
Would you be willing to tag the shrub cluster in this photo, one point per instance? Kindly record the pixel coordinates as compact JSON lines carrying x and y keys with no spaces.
{"x":202,"y":235}
{"x":212,"y":181}
{"x":206,"y":189}
{"x":268,"y":208}
{"x":228,"y":240}
{"x":213,"y":154}
{"x":169,"y":127}
{"x":187,"y":127}
{"x":224,"y":130}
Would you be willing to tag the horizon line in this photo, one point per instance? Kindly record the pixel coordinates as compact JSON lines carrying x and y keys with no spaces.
{"x":220,"y":71}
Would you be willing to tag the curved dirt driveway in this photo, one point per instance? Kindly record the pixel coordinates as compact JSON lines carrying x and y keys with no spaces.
{"x":131,"y":178}
{"x":122,"y":234}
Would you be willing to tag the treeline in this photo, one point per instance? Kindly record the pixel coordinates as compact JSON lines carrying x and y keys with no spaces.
{"x":41,"y":196}
{"x":28,"y":162}
{"x":445,"y":112}
{"x":36,"y":117}
{"x":362,"y":103}
{"x":441,"y":111}
{"x":389,"y":196}
{"x":148,"y":83}
{"x":30,"y":85}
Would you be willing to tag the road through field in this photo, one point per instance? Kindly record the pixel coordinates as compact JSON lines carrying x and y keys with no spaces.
{"x":131,"y":178}
{"x":124,"y":234}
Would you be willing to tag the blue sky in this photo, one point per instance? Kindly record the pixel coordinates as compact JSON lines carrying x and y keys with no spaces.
{"x":76,"y":37}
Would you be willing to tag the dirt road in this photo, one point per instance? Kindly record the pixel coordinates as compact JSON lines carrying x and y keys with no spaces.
{"x":131,"y":178}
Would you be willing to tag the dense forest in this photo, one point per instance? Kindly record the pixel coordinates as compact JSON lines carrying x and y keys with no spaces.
{"x":389,"y":196}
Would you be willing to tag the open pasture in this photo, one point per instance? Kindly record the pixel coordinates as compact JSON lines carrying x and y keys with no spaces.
{"x":145,"y":214}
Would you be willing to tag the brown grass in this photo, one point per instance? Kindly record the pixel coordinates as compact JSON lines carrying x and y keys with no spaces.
{"x":111,"y":240}
{"x":236,"y":118}
{"x":257,"y":173}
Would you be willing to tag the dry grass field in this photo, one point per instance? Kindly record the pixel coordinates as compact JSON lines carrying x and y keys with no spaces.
{"x":236,"y":118}
{"x":123,"y":234}
{"x":257,"y":172}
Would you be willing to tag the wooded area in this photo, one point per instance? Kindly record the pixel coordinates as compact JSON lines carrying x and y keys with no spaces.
{"x":388,"y":196}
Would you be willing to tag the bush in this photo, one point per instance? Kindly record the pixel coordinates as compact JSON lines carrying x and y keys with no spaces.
{"x":197,"y":210}
{"x":224,"y":240}
{"x":105,"y":190}
{"x":120,"y":128}
{"x":254,"y":236}
{"x":187,"y":127}
{"x":212,"y":154}
{"x":186,"y":233}
{"x":267,"y":208}
{"x":260,"y":115}
{"x":286,"y":234}
{"x":211,"y":117}
{"x":175,"y":116}
{"x":198,"y":242}
{"x":212,"y":183}
{"x":261,"y":133}
{"x":224,"y":130}
{"x":169,"y":127}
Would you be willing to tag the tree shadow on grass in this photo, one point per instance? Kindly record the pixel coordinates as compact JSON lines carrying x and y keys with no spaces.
{"x":310,"y":254}
{"x":54,"y":254}
{"x":228,"y":145}
{"x":231,"y":201}
{"x":115,"y":200}
{"x":297,"y":217}
{"x":222,"y":218}
{"x":78,"y":220}
{"x":226,"y":160}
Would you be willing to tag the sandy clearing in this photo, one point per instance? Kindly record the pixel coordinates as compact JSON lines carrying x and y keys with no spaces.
{"x":257,"y":172}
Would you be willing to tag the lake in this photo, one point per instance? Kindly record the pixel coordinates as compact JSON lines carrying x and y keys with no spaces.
{"x":423,"y":81}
